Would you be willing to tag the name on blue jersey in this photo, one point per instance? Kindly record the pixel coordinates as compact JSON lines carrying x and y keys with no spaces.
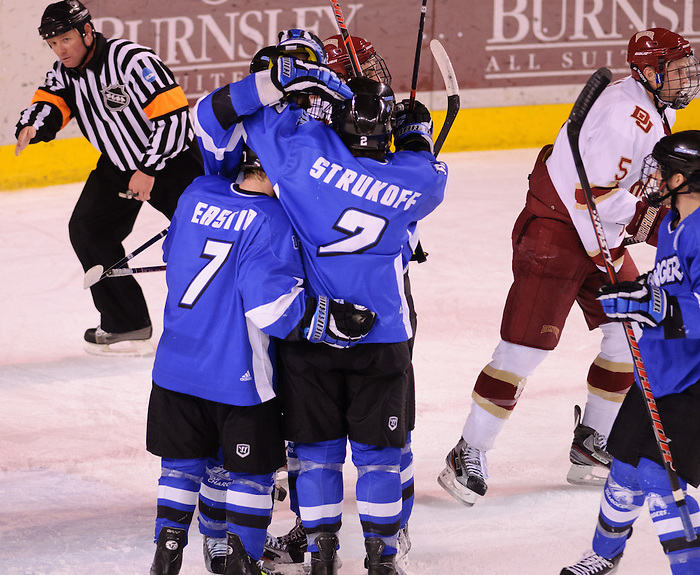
{"x":668,"y":271}
{"x":363,"y":186}
{"x":216,"y":217}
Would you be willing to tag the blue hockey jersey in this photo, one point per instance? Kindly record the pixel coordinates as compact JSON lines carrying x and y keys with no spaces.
{"x":674,"y":364}
{"x":235,"y":278}
{"x":352,"y":215}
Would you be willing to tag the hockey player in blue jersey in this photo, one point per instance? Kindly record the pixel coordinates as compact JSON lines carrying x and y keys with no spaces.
{"x":235,"y":282}
{"x":666,"y":304}
{"x":352,"y":203}
{"x":223,"y":157}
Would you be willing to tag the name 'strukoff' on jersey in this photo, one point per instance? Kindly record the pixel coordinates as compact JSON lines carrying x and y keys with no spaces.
{"x":365,"y":186}
{"x":216,"y":217}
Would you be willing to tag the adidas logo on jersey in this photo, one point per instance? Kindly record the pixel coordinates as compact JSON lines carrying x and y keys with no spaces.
{"x":246,"y":376}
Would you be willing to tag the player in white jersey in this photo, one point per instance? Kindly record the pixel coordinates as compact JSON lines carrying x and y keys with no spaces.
{"x":666,"y":304}
{"x":128,"y":105}
{"x":556,"y":261}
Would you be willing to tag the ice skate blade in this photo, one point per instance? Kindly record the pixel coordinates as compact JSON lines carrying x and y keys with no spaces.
{"x":587,"y":475}
{"x":130,"y":348}
{"x":449,"y":483}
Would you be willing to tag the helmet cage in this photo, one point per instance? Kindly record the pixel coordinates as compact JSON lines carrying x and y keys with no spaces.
{"x":62,"y":17}
{"x":372,"y":64}
{"x":682,"y":81}
{"x":675,"y":154}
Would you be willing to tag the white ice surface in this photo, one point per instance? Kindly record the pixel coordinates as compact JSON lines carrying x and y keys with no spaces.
{"x":78,"y":489}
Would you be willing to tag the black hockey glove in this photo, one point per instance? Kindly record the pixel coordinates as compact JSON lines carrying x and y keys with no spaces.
{"x":637,"y":300}
{"x":335,"y":322}
{"x":290,"y":75}
{"x":414,"y":128}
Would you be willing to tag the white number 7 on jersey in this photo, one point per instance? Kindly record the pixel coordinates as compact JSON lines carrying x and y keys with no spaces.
{"x":217,"y":252}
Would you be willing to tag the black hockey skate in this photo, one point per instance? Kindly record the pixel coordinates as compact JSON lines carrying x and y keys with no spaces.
{"x":215,"y":550}
{"x":289,"y":548}
{"x":465,"y":475}
{"x":375,"y":562}
{"x":168,"y":557}
{"x":593,"y":564}
{"x":590,"y":461}
{"x":323,"y":561}
{"x":130,"y":344}
{"x":238,"y":562}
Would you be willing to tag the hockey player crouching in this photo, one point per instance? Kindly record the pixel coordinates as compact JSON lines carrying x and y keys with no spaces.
{"x":235,"y":283}
{"x":665,"y":304}
{"x":352,"y":204}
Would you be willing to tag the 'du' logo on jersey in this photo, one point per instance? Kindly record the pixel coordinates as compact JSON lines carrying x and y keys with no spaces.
{"x":115,"y":97}
{"x":642,"y":119}
{"x":243,"y":450}
{"x":393,"y":423}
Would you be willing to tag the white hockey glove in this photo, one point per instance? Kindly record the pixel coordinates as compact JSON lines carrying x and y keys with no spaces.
{"x":637,"y":300}
{"x":290,"y":75}
{"x":336,"y":323}
{"x":414,"y":128}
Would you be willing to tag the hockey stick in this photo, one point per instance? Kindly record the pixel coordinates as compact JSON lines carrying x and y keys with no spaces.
{"x":416,"y":60}
{"x":593,"y":88}
{"x":96,"y":273}
{"x":347,"y":40}
{"x":450,"y":79}
{"x":117,"y":272}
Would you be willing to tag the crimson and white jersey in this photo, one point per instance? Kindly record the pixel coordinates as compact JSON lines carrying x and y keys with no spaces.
{"x":620,"y":130}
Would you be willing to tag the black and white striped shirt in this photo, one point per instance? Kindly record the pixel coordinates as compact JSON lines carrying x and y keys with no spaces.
{"x":126,"y":102}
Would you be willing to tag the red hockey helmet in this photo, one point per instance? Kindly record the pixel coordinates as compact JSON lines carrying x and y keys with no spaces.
{"x":372,"y":64}
{"x":655,"y":47}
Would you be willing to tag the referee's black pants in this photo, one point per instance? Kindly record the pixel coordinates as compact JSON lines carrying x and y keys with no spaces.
{"x":100,"y":222}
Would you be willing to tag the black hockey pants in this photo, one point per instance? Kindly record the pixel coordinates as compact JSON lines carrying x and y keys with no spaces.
{"x":100,"y":222}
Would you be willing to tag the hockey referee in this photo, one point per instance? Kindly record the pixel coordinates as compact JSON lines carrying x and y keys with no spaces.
{"x":130,"y":108}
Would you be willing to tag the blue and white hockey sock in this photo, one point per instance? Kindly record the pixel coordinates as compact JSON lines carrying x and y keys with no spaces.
{"x":212,"y":499}
{"x":620,"y":505}
{"x":406,"y":482}
{"x":320,"y":487}
{"x":178,"y":488}
{"x":378,"y":492}
{"x":683,"y":556}
{"x":249,"y":509}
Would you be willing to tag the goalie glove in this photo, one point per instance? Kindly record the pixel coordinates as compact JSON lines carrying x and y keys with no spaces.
{"x":335,"y":322}
{"x":290,"y":75}
{"x":644,"y":226}
{"x":637,"y":300}
{"x":414,"y":128}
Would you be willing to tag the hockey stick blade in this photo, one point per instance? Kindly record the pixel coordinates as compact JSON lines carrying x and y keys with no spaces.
{"x":450,"y":79}
{"x":92,"y":276}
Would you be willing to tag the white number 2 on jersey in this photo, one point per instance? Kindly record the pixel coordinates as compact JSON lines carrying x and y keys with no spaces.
{"x":215,"y":251}
{"x":364,"y":230}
